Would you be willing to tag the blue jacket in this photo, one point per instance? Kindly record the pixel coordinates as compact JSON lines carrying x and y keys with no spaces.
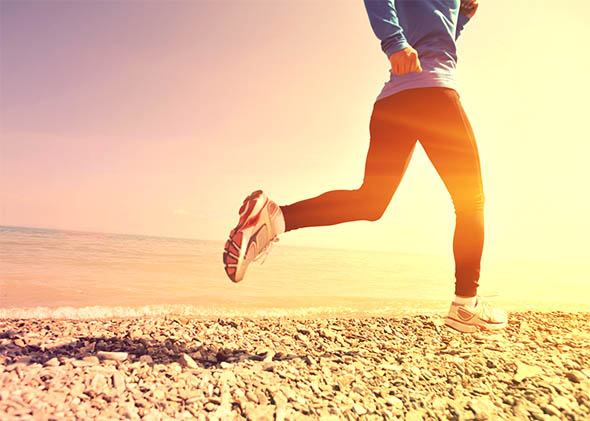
{"x":429,"y":26}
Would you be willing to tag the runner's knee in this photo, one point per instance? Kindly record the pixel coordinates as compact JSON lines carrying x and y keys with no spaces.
{"x":469,"y":204}
{"x":371,"y":205}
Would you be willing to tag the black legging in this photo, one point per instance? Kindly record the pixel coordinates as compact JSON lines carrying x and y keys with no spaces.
{"x":436,"y":118}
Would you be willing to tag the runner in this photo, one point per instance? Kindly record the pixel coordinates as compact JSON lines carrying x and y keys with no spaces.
{"x":418,"y":103}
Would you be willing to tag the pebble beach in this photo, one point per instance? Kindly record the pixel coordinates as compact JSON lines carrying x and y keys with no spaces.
{"x":406,"y":368}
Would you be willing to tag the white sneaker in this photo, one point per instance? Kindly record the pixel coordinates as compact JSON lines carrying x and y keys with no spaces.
{"x":481,"y":317}
{"x":252,"y":237}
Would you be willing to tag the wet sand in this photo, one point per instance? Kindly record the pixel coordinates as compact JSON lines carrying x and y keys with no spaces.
{"x":408,"y":368}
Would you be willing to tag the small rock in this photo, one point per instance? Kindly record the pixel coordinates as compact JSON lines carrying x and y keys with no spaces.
{"x":576,"y":376}
{"x":54,"y":362}
{"x":252,"y":396}
{"x":536,"y":412}
{"x":519,"y":409}
{"x":269,"y":356}
{"x":114,"y":356}
{"x":281,"y":413}
{"x":77,"y":389}
{"x":153,"y":415}
{"x":225,"y":399}
{"x":551,"y":410}
{"x":227,"y":377}
{"x":210,"y":406}
{"x":396,"y":403}
{"x":260,"y":412}
{"x":146,"y":359}
{"x":270,"y":366}
{"x":328,"y":334}
{"x":91,"y":360}
{"x":129,"y":411}
{"x":136,"y":334}
{"x":98,"y":383}
{"x":437,"y":321}
{"x":524,"y":370}
{"x":223,"y":413}
{"x":301,"y":337}
{"x":560,"y":402}
{"x":88,"y":348}
{"x":118,"y":382}
{"x":415,"y":415}
{"x":388,"y":366}
{"x":482,"y":407}
{"x":359,"y":409}
{"x":187,"y":361}
{"x":262,"y":398}
{"x":439,"y":404}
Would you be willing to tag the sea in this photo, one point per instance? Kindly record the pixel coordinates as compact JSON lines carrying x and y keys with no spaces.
{"x":47,"y":273}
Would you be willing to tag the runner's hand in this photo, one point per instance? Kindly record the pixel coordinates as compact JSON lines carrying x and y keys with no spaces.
{"x":469,"y":7}
{"x":405,"y":61}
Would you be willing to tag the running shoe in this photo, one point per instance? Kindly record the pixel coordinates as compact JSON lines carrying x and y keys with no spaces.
{"x":252,"y":238}
{"x":481,"y":317}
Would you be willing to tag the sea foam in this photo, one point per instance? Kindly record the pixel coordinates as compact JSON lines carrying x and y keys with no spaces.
{"x":109,"y":312}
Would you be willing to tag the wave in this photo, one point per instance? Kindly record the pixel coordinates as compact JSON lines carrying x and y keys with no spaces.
{"x":110,"y":312}
{"x":348,"y":309}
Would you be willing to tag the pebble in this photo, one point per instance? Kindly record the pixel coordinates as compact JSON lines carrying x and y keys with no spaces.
{"x":53,"y":362}
{"x":91,"y":360}
{"x":114,"y":356}
{"x":482,"y":407}
{"x":118,"y":382}
{"x":576,"y":376}
{"x":414,"y":415}
{"x":396,"y":403}
{"x":409,"y":368}
{"x":551,"y":410}
{"x":187,"y":361}
{"x":359,"y":409}
{"x":524,"y":370}
{"x":146,"y":359}
{"x":260,"y":412}
{"x":560,"y":402}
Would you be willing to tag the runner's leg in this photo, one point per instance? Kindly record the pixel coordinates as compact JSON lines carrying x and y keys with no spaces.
{"x":393,"y":137}
{"x":450,"y":144}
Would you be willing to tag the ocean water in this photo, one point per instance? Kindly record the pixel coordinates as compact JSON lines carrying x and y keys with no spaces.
{"x":65,"y":274}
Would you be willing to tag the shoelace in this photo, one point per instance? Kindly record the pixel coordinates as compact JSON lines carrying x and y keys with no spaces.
{"x":487,"y":310}
{"x":264,"y":253}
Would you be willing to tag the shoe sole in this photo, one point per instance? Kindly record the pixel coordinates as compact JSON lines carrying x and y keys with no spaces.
{"x":470,"y":328}
{"x":234,"y":255}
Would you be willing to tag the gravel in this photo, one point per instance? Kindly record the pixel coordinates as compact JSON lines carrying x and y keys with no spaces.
{"x":408,"y":368}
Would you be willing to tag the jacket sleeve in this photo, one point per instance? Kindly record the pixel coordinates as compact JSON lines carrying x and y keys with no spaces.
{"x":461,"y":22}
{"x":385,"y":24}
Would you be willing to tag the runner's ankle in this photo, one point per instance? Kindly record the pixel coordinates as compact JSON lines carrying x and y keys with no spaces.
{"x":468,"y":301}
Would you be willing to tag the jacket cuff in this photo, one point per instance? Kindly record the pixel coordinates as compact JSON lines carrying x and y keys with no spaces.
{"x":461,"y":22}
{"x":394,"y":44}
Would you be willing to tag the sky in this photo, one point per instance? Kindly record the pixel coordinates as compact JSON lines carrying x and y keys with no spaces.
{"x":159,"y":117}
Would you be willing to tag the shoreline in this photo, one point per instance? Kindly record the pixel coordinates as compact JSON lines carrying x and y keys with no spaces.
{"x":299,"y":307}
{"x":178,"y":367}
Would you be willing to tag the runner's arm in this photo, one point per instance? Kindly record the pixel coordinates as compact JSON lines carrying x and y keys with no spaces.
{"x":466,"y":12}
{"x":385,"y":24}
{"x":461,"y":22}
